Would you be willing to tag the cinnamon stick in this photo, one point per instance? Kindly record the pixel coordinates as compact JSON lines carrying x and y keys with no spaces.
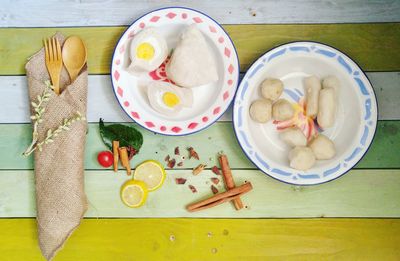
{"x":220,"y":198}
{"x":216,"y":203}
{"x":228,"y":179}
{"x":115,"y":146}
{"x":123,"y":153}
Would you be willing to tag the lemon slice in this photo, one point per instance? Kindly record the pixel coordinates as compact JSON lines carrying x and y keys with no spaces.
{"x":150,"y":172}
{"x":134,"y":193}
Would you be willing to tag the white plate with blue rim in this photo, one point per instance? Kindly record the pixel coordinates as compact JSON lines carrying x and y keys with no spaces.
{"x":356,"y":116}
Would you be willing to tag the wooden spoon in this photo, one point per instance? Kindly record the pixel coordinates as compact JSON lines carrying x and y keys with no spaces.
{"x":74,"y":56}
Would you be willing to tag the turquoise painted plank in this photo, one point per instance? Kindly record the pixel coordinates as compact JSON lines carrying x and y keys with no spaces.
{"x":360,"y":193}
{"x":14,"y":138}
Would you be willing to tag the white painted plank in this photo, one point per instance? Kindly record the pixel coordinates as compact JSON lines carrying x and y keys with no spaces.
{"x":102,"y":103}
{"x":49,"y":13}
{"x":349,"y":196}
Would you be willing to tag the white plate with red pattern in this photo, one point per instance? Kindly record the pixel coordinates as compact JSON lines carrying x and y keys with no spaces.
{"x":210,"y":101}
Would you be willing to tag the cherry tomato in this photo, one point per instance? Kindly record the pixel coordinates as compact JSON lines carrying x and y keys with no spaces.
{"x":105,"y":159}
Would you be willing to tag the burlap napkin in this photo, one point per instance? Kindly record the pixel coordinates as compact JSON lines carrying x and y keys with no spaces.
{"x":59,"y":168}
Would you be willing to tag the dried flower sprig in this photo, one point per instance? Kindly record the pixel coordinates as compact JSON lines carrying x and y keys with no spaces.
{"x":63,"y":127}
{"x":37,"y":119}
{"x":50,"y":135}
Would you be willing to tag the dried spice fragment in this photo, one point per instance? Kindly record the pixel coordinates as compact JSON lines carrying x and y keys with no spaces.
{"x":193,"y":153}
{"x":215,"y":181}
{"x":180,"y":164}
{"x":192,"y":188}
{"x":177,"y":151}
{"x":198,"y":169}
{"x":214,"y":189}
{"x":171,"y":163}
{"x":180,"y":181}
{"x":167,"y":158}
{"x":131,"y":152}
{"x":215,"y":170}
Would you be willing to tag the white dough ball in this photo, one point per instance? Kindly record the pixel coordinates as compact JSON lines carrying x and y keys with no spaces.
{"x":260,"y":110}
{"x":271,"y":88}
{"x":282,"y":110}
{"x":301,"y":158}
{"x":293,"y":137}
{"x":322,"y":147}
{"x":327,"y":107}
{"x":312,"y":87}
{"x":331,"y":82}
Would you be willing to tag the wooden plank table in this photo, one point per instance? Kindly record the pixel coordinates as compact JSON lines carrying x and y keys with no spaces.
{"x":353,"y":218}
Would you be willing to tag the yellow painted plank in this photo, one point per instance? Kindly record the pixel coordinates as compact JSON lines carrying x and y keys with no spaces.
{"x":212,"y":239}
{"x":374,"y":46}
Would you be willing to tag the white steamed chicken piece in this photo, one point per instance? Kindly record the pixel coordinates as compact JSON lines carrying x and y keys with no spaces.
{"x":148,"y":50}
{"x":192,"y":63}
{"x":168,"y":99}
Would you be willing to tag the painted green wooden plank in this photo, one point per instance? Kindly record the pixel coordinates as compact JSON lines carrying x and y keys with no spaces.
{"x":14,"y":138}
{"x":387,"y":93}
{"x":210,"y":239}
{"x":384,"y":147}
{"x":349,"y":196}
{"x":359,"y":41}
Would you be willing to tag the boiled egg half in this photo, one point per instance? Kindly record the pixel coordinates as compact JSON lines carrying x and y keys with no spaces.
{"x":148,"y":50}
{"x":168,"y":99}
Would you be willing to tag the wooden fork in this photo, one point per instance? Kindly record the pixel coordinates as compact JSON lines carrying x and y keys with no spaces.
{"x":53,"y":61}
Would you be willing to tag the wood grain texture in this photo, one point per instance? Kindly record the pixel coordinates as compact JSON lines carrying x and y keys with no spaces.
{"x":18,"y":13}
{"x":349,"y":196}
{"x":208,"y":239}
{"x":264,"y":239}
{"x":102,"y":104}
{"x":373,"y":46}
{"x":14,"y":138}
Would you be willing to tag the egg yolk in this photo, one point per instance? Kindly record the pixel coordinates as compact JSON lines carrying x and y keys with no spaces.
{"x":170,"y":99}
{"x":145,"y":51}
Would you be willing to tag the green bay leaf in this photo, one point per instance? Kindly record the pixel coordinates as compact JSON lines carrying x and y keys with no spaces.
{"x":128,"y":136}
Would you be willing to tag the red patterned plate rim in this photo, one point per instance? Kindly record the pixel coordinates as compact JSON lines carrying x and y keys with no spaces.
{"x":230,"y":78}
